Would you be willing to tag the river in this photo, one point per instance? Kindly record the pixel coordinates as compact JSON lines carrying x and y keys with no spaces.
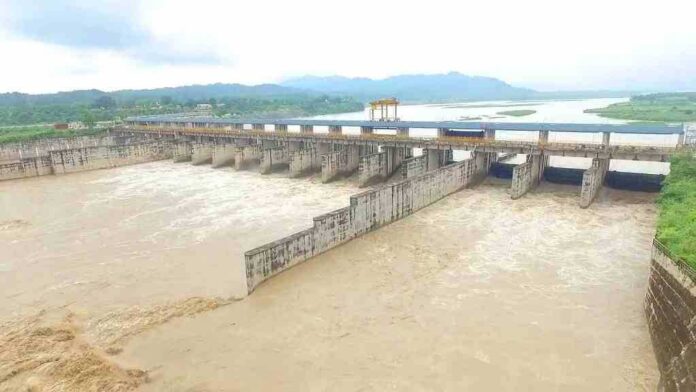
{"x":139,"y":268}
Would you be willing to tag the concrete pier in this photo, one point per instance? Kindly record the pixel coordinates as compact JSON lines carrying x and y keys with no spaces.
{"x":304,"y":161}
{"x":306,"y":129}
{"x":335,"y":129}
{"x":202,"y":153}
{"x":182,"y":152}
{"x":339,"y":163}
{"x":246,"y":155}
{"x":273,"y":158}
{"x":223,"y":154}
{"x":437,"y":158}
{"x":592,"y":181}
{"x":380,"y":166}
{"x":528,"y":175}
{"x":366,"y":130}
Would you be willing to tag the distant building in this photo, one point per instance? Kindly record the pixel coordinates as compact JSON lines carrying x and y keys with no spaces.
{"x":204,"y":109}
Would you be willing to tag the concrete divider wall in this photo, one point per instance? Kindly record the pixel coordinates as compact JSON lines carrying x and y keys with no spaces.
{"x":339,"y":163}
{"x":367,"y":211}
{"x":414,"y":166}
{"x":182,"y":151}
{"x":272,"y":158}
{"x":245,"y":155}
{"x":223,"y":154}
{"x":527,"y":175}
{"x":592,"y":181}
{"x":372,"y":168}
{"x":201,"y":153}
{"x":92,"y":158}
{"x":670,"y":308}
{"x":304,"y":161}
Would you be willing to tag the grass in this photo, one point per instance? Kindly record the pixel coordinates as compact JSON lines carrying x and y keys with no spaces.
{"x":23,"y":134}
{"x":676,"y":224}
{"x":517,"y":113}
{"x":670,"y":107}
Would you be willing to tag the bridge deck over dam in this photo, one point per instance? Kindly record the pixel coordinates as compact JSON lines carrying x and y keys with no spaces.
{"x":479,"y":136}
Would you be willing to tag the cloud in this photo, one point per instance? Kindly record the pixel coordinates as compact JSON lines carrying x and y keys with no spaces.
{"x":88,"y":25}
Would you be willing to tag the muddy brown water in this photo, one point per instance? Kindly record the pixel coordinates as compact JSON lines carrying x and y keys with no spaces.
{"x":476,"y":292}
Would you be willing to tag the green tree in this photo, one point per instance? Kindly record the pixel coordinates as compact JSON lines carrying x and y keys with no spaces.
{"x":88,"y":119}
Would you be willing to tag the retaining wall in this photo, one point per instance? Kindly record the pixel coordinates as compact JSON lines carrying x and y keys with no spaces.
{"x":670,"y":308}
{"x":92,"y":158}
{"x":28,"y":167}
{"x":367,"y":211}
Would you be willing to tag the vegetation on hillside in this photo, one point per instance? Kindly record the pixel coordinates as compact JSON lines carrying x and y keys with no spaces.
{"x":25,"y":109}
{"x":666,"y":107}
{"x":21,"y":134}
{"x":676,"y":225}
{"x":517,"y":113}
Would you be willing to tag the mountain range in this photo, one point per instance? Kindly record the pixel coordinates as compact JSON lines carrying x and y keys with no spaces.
{"x":433,"y":88}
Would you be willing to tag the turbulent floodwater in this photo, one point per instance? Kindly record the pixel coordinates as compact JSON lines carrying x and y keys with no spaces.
{"x":125,"y":279}
{"x":136,"y":266}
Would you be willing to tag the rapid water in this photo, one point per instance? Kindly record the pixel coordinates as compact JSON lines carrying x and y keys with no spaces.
{"x":136,"y":266}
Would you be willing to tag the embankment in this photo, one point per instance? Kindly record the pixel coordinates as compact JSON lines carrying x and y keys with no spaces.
{"x":670,"y":307}
{"x":367,"y":211}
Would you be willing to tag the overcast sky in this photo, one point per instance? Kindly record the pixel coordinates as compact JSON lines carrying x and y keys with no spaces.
{"x":55,"y":45}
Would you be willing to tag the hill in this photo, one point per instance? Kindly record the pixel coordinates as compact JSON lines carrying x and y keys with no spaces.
{"x":452,"y":86}
{"x":180,"y":94}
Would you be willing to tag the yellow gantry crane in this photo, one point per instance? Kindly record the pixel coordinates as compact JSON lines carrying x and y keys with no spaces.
{"x":381,"y":107}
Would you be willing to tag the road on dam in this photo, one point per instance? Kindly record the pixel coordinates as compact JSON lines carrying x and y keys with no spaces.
{"x":475,"y":292}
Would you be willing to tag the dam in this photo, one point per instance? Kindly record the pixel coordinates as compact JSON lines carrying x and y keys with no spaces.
{"x":477,"y":272}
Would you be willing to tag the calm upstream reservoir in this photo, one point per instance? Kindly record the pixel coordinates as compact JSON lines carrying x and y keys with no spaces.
{"x":476,"y":292}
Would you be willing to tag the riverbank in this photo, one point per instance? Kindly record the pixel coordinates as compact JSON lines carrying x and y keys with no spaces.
{"x":667,"y":107}
{"x":676,"y":225}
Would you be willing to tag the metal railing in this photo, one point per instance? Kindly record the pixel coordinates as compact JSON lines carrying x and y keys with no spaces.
{"x":659,"y":249}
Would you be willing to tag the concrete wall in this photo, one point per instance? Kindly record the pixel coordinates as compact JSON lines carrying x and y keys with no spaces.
{"x":28,"y":167}
{"x":201,"y":153}
{"x":304,"y":161}
{"x":339,"y":163}
{"x":246,"y":155}
{"x":373,"y":168}
{"x":367,"y":211}
{"x":273,"y":158}
{"x":92,"y":158}
{"x":181,"y":151}
{"x":592,"y":181}
{"x":223,"y":154}
{"x":414,"y":166}
{"x":41,"y":147}
{"x":670,"y":307}
{"x":528,"y":175}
